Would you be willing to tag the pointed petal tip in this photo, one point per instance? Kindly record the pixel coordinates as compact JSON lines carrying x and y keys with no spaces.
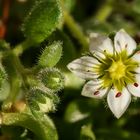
{"x":122,"y":30}
{"x":118,"y":116}
{"x":118,"y":104}
{"x":123,"y":41}
{"x":69,"y":66}
{"x":93,"y":35}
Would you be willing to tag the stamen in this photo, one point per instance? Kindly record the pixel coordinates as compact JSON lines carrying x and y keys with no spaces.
{"x":99,"y":58}
{"x":118,"y":94}
{"x":96,"y":92}
{"x":136,"y":84}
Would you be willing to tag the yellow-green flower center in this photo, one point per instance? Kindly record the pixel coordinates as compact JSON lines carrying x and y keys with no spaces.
{"x":117,"y":70}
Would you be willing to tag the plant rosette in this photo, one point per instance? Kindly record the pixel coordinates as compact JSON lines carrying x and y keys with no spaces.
{"x":112,"y":69}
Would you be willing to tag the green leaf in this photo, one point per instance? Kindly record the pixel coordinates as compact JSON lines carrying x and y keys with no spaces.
{"x":136,"y":6}
{"x":116,"y":134}
{"x":87,"y":133}
{"x":51,"y":55}
{"x":42,"y":126}
{"x":44,"y":18}
{"x":77,"y":111}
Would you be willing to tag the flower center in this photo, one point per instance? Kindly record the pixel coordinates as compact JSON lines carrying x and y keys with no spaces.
{"x":117,"y":70}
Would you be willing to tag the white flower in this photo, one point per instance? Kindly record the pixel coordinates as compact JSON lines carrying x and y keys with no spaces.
{"x":112,"y":70}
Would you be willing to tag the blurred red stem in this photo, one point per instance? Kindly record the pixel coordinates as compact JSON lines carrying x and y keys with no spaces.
{"x":4,"y":19}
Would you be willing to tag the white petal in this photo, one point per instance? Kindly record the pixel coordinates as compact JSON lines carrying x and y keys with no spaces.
{"x":118,"y":101}
{"x":136,"y":57}
{"x":135,"y":87}
{"x":92,"y":89}
{"x":84,"y":67}
{"x":99,"y":44}
{"x":124,"y":41}
{"x":137,"y":70}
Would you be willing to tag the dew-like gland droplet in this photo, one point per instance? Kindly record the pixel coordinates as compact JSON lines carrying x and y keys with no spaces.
{"x":96,"y":92}
{"x":118,"y":94}
{"x":136,"y":84}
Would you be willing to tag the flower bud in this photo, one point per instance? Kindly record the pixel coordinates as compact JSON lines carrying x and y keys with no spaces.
{"x":52,"y":79}
{"x":41,"y":99}
{"x":51,"y":55}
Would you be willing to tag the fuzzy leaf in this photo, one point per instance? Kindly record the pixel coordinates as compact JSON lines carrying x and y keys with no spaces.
{"x":41,"y":125}
{"x":44,"y":18}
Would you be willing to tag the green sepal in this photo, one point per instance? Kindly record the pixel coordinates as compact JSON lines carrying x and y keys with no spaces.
{"x":34,"y":105}
{"x":42,"y":99}
{"x":37,"y":95}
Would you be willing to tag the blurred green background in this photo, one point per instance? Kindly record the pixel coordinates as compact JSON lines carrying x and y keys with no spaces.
{"x":77,"y":117}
